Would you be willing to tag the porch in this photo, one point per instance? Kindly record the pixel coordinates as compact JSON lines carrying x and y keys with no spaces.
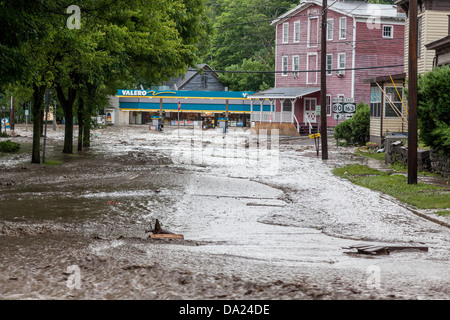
{"x":295,"y":106}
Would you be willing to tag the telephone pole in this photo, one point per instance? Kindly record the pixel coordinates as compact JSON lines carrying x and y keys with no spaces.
{"x":412,"y":93}
{"x":323,"y":82}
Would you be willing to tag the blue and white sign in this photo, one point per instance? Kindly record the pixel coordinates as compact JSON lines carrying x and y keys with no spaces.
{"x":5,"y":123}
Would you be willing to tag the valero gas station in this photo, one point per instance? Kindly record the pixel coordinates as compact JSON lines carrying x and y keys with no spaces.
{"x":184,"y":108}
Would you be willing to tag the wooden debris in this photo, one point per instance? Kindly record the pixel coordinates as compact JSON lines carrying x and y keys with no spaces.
{"x":384,"y":249}
{"x":159,"y":233}
{"x":167,"y":236}
{"x":421,"y":248}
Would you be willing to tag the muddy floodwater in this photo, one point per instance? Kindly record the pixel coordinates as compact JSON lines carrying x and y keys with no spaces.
{"x":261,"y":219}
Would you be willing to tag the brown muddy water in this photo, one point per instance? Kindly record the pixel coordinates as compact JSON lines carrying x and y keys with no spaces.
{"x":252,"y":230}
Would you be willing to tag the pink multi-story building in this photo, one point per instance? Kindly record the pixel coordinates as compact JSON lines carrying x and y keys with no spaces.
{"x":363,"y":41}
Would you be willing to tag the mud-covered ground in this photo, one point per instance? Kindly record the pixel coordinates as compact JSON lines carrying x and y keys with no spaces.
{"x":260,"y":221}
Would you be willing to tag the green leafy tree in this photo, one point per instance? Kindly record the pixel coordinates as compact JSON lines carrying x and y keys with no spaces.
{"x":244,"y":39}
{"x":19,"y":23}
{"x":247,"y":80}
{"x":128,"y":42}
{"x":434,"y":108}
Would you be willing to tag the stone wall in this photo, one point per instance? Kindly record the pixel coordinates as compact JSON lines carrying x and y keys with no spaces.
{"x":440,"y":163}
{"x":431,"y":161}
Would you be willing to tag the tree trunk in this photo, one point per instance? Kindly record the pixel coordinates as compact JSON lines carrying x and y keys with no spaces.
{"x":41,"y":117}
{"x":38,"y":95}
{"x":81,"y":123}
{"x":67,"y":105}
{"x":87,"y":132}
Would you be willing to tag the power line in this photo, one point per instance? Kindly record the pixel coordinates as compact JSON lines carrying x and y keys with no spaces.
{"x":305,"y":42}
{"x":300,"y":71}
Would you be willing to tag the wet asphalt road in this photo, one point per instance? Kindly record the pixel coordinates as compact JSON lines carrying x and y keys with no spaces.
{"x":257,"y":224}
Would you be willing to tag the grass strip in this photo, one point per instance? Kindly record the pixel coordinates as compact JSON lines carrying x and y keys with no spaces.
{"x":420,"y":195}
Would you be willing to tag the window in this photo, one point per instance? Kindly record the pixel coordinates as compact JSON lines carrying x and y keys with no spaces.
{"x":329,"y":64}
{"x":341,"y":63}
{"x":284,"y":65}
{"x":313,"y":32}
{"x":287,"y":105}
{"x":295,"y":65}
{"x":392,"y":96}
{"x":375,"y":102}
{"x":388,"y":31}
{"x":297,"y":31}
{"x":342,"y":28}
{"x":285,"y":32}
{"x":311,"y":64}
{"x":328,"y":104}
{"x":330,"y":23}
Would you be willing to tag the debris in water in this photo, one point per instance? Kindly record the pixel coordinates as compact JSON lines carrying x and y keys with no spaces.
{"x":112,"y":202}
{"x":374,"y":249}
{"x":159,"y":233}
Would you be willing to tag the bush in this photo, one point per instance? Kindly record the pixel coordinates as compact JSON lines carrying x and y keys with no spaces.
{"x":356,"y":129}
{"x":433,"y":112}
{"x":361,"y":124}
{"x":9,"y":146}
{"x":343,"y":131}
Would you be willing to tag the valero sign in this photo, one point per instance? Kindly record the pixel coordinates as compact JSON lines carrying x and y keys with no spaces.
{"x":143,"y":93}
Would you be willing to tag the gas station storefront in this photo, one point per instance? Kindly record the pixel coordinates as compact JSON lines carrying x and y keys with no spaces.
{"x":186,"y":108}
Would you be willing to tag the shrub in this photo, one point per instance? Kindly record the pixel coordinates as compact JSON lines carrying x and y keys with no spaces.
{"x":361,"y":124}
{"x":343,"y":131}
{"x":433,"y":113}
{"x":356,"y":129}
{"x":9,"y":146}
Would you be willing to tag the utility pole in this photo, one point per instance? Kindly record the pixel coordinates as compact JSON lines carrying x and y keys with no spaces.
{"x":323,"y":82}
{"x":11,"y":114}
{"x":412,"y":93}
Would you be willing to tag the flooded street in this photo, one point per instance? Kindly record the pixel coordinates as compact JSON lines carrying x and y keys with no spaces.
{"x":259,"y":222}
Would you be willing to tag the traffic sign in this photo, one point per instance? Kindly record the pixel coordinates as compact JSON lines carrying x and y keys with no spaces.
{"x":338,"y":116}
{"x":314,"y":135}
{"x":337,"y":108}
{"x":349,"y":107}
{"x":318,"y":110}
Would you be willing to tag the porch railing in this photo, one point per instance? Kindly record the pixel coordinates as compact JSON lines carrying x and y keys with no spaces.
{"x":286,"y":117}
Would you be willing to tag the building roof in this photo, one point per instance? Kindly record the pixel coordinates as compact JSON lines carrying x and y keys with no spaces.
{"x":359,"y":9}
{"x":284,"y":93}
{"x":380,"y":79}
{"x":439,"y":44}
{"x":190,"y":73}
